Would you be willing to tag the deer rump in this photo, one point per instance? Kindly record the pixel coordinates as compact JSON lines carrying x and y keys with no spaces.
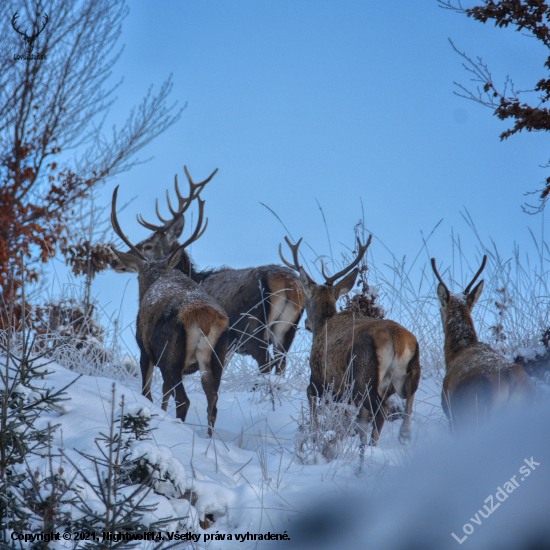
{"x":199,"y":321}
{"x":264,"y":305}
{"x":480,"y":382}
{"x":379,"y":357}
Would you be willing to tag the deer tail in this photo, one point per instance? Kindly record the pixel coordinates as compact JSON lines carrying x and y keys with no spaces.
{"x":205,"y":318}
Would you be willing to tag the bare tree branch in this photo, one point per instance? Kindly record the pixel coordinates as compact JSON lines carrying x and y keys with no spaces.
{"x":56,"y":102}
{"x":530,"y":17}
{"x":56,"y":89}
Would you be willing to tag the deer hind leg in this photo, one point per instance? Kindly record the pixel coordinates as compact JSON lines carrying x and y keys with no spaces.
{"x":405,"y":431}
{"x":210,"y":355}
{"x":260,"y":353}
{"x":167,"y":391}
{"x":253,"y":341}
{"x":173,"y":385}
{"x":147,"y":369}
{"x":282,"y":324}
{"x":212,"y":378}
{"x":312,"y":395}
{"x":410,"y":385}
{"x":282,"y":349}
{"x":210,"y":387}
{"x":363,"y":420}
{"x":211,"y":372}
{"x":171,"y":350}
{"x":379,"y":420}
{"x":182,"y":401}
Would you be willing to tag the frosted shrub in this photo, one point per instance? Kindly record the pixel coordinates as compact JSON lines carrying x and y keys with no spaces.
{"x":333,"y":435}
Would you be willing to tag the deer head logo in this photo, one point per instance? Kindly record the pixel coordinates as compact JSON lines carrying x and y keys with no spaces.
{"x":28,"y":39}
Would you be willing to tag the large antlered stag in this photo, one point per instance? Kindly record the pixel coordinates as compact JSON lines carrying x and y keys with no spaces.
{"x":264,"y":304}
{"x":479,"y":381}
{"x":377,"y":357}
{"x":179,"y":328}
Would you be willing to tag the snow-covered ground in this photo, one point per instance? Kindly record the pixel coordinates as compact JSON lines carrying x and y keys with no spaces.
{"x":250,"y":478}
{"x":487,"y":491}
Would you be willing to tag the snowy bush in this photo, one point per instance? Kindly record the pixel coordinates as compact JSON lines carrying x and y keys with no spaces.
{"x":332,"y":435}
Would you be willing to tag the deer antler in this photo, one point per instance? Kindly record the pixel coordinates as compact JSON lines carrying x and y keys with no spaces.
{"x":360,"y":253}
{"x":294,"y":248}
{"x":483,"y":264}
{"x":118,"y":230}
{"x":196,"y":235}
{"x":434,"y":267}
{"x":183,"y":203}
{"x":193,"y":186}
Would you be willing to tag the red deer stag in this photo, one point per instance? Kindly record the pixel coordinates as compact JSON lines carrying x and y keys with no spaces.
{"x":479,"y":380}
{"x":264,"y":304}
{"x":179,"y":327}
{"x":379,"y":357}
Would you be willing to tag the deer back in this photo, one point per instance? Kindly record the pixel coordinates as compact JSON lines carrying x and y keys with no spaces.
{"x":245,"y":290}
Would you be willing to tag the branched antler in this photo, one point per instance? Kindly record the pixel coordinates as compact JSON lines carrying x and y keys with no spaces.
{"x":362,"y":249}
{"x":118,"y":230}
{"x":183,"y":203}
{"x":294,"y":248}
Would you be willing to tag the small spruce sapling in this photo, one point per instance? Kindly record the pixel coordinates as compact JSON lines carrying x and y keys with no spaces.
{"x":24,"y":397}
{"x":105,"y":502}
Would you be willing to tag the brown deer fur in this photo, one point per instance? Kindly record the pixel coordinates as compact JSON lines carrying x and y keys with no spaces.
{"x":264,"y":304}
{"x":179,"y":328}
{"x":479,"y":381}
{"x":379,"y":357}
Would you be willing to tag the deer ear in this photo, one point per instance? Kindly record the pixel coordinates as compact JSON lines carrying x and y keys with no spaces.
{"x":473,"y":297}
{"x":443,"y":294}
{"x":307,"y":281}
{"x":175,"y":230}
{"x":129,"y":260}
{"x":175,"y":257}
{"x":346,"y":284}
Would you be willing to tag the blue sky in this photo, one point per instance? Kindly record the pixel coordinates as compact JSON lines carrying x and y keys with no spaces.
{"x":335,"y":102}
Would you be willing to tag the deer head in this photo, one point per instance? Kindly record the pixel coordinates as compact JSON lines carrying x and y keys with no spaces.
{"x":163,"y":241}
{"x":135,"y":260}
{"x":320,"y":299}
{"x":458,"y":305}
